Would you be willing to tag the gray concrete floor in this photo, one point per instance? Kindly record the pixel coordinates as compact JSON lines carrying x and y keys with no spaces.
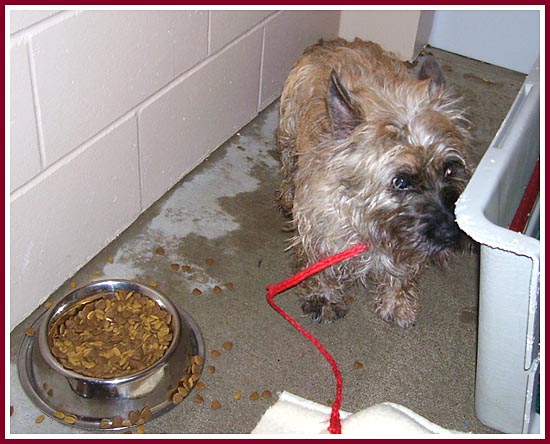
{"x":225,"y":210}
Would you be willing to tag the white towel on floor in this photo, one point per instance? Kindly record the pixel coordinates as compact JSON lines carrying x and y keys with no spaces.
{"x":292,"y":414}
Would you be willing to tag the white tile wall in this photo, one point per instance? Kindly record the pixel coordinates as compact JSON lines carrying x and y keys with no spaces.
{"x":286,"y":36}
{"x":92,"y":68}
{"x":22,"y":19}
{"x":197,"y":114}
{"x":128,"y":102}
{"x":68,"y":215}
{"x":227,"y":25}
{"x":24,"y":153}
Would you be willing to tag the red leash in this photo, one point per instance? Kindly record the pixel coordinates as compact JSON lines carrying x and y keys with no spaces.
{"x":273,"y":290}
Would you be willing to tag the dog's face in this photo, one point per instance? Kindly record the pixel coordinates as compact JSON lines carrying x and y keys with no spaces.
{"x":402,"y":163}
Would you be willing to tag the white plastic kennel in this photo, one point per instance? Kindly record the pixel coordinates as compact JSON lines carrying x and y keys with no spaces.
{"x":507,"y":378}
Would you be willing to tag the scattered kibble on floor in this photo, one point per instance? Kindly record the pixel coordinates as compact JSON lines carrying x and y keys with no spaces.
{"x":215,"y":354}
{"x":39,"y":419}
{"x":215,"y":405}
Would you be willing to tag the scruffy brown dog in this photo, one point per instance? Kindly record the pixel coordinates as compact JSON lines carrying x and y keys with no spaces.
{"x":370,"y":154}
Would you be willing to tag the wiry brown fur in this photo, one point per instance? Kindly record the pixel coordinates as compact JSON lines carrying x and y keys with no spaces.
{"x":370,"y":154}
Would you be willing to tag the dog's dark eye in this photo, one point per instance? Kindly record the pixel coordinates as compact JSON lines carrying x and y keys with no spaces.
{"x":401,"y":183}
{"x":450,"y":169}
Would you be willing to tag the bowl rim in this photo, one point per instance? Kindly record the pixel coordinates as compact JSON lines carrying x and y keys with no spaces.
{"x":88,"y":291}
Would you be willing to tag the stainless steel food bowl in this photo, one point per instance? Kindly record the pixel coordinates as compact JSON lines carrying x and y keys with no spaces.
{"x":94,"y":402}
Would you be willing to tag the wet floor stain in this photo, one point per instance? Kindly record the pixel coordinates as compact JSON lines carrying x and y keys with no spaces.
{"x":468,"y":315}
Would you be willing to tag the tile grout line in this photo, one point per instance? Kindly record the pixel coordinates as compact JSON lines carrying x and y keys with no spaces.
{"x":261,"y":73}
{"x":36,"y":106}
{"x":138,"y":149}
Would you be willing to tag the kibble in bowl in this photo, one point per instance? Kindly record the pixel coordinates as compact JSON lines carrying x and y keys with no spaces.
{"x":111,"y":338}
{"x":112,"y":334}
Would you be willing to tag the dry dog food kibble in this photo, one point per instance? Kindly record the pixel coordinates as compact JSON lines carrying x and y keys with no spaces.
{"x":69,"y":419}
{"x":228,"y":345}
{"x":175,"y":267}
{"x":111,"y":336}
{"x":159,"y":250}
{"x":134,"y":417}
{"x":215,"y":354}
{"x":190,"y":377}
{"x":215,"y":405}
{"x":39,"y":419}
{"x":197,"y":292}
{"x":146,"y":413}
{"x":178,"y":397}
{"x":357,"y":365}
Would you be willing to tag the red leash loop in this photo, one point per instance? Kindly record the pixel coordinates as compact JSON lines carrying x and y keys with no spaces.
{"x":273,"y":290}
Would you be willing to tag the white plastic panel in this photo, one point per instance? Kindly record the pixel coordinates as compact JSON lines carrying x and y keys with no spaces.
{"x":509,"y":314}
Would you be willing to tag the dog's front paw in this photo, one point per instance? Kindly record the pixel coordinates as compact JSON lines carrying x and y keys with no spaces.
{"x":323,"y":311}
{"x":401,"y":312}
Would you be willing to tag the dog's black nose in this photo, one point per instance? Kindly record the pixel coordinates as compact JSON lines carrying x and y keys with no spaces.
{"x":446,"y":231}
{"x":441,"y":227}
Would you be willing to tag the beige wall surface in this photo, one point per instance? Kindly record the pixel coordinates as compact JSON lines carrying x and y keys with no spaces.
{"x":404,"y":32}
{"x":109,"y":109}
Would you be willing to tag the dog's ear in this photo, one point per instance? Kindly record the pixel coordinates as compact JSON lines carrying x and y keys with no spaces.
{"x":430,"y":70}
{"x":343,"y":114}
